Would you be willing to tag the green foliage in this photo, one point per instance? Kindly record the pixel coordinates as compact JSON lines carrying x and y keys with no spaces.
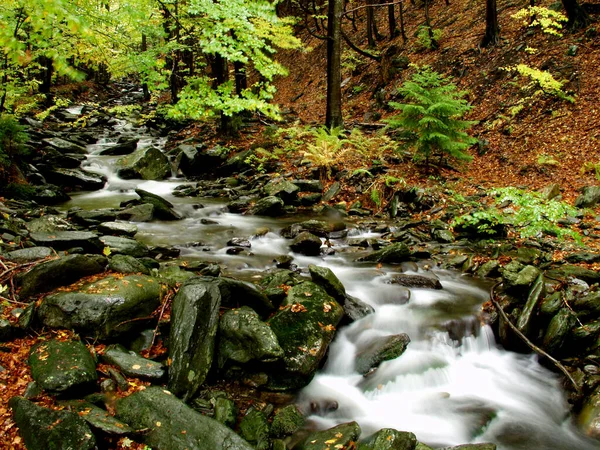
{"x":326,"y":149}
{"x":546,"y":160}
{"x":376,"y":197}
{"x":428,"y":38}
{"x":530,"y":215}
{"x":547,"y":19}
{"x":369,"y":146}
{"x":432,"y":123}
{"x":590,"y":167}
{"x":361,"y":171}
{"x":58,"y":103}
{"x":543,"y":80}
{"x":124,"y":111}
{"x":259,"y":159}
{"x":391,"y":181}
{"x":12,"y":138}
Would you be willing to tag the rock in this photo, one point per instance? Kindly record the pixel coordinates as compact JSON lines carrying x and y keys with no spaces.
{"x":558,"y":329}
{"x":566,"y":271}
{"x":416,"y":281}
{"x":6,"y":330}
{"x":103,"y":308}
{"x":305,"y":327}
{"x":65,"y":146}
{"x":528,"y":255}
{"x":550,"y":192}
{"x":194,"y":161}
{"x":194,"y":322}
{"x":225,"y":411}
{"x":489,"y":269}
{"x":285,"y":190}
{"x":236,"y":293}
{"x":324,"y":228}
{"x":444,"y":236}
{"x":127,"y":264}
{"x":59,"y":272}
{"x":344,"y":436}
{"x":163,"y":209}
{"x":137,"y":213}
{"x":309,"y":185}
{"x":75,"y":179}
{"x":169,"y":424}
{"x":306,"y":244}
{"x":268,"y":206}
{"x":395,"y":253}
{"x":356,"y":309}
{"x":254,"y":428}
{"x":65,"y":240}
{"x":324,"y":277}
{"x":146,"y":163}
{"x":485,"y":446}
{"x":379,"y":350}
{"x":98,"y":418}
{"x":27,"y":255}
{"x":390,"y":439}
{"x":118,"y":228}
{"x":333,"y":190}
{"x":589,"y":418}
{"x":132,"y":364}
{"x":92,"y":217}
{"x":121,"y":148}
{"x":239,"y":242}
{"x":44,"y":429}
{"x":244,"y":337}
{"x":536,"y":293}
{"x":522,"y":279}
{"x":59,"y":366}
{"x":589,"y":197}
{"x":583,"y":257}
{"x":124,"y":246}
{"x":286,"y":421}
{"x":588,"y":305}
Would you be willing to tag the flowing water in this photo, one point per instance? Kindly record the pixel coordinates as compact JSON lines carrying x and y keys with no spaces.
{"x":453,"y":385}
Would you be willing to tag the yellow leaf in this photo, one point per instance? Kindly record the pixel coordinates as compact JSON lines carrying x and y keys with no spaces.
{"x":106,"y":251}
{"x":158,"y":424}
{"x":331,"y":441}
{"x":136,"y":367}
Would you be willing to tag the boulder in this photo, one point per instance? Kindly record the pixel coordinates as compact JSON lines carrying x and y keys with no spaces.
{"x":118,"y":228}
{"x":306,"y":244}
{"x":325,"y":278}
{"x":163,"y":209}
{"x":332,"y":191}
{"x":567,"y":271}
{"x":524,"y":278}
{"x":558,"y":329}
{"x":65,"y":240}
{"x":395,"y":253}
{"x":587,"y":306}
{"x":378,"y":350}
{"x":536,"y":293}
{"x":286,"y":421}
{"x":43,"y":428}
{"x":590,"y":196}
{"x":137,"y":213}
{"x":27,"y":255}
{"x":59,"y":366}
{"x":127,"y":264}
{"x":268,"y":206}
{"x":305,"y":326}
{"x":194,"y":324}
{"x":132,"y":364}
{"x":284,"y":189}
{"x":390,"y":439}
{"x":124,"y":246}
{"x":416,"y":281}
{"x":75,"y":179}
{"x":356,"y":309}
{"x":169,"y":424}
{"x":59,"y":272}
{"x":194,"y":160}
{"x":244,"y":337}
{"x":254,"y":428}
{"x":124,"y":147}
{"x":309,"y":185}
{"x":64,"y":146}
{"x":103,"y":308}
{"x":236,"y":293}
{"x":146,"y":163}
{"x":98,"y":418}
{"x":341,"y":436}
{"x":92,"y":217}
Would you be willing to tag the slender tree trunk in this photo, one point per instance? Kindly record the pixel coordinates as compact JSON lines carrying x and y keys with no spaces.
{"x":220,"y":73}
{"x":334,"y":117}
{"x":402,"y":30}
{"x":370,"y":20}
{"x":434,"y":43}
{"x":492,"y":30}
{"x":144,"y":48}
{"x":392,"y":22}
{"x":578,"y":17}
{"x":241,"y":81}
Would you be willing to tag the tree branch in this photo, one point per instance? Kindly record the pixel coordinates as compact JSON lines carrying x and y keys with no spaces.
{"x":359,"y":50}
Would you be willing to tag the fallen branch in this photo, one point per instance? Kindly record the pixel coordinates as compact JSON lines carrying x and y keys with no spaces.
{"x":524,"y":338}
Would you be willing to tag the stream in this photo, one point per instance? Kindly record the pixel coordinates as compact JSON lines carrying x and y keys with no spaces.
{"x":453,"y":385}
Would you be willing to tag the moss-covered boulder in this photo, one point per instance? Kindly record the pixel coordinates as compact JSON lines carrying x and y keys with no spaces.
{"x":324,"y":277}
{"x":395,"y":253}
{"x":44,"y":429}
{"x":194,"y":324}
{"x":132,"y":364}
{"x":127,"y":264}
{"x":254,"y":428}
{"x":237,"y":293}
{"x":103,"y":308}
{"x":243,"y":337}
{"x":98,"y":418}
{"x":558,"y":329}
{"x":390,"y":439}
{"x":269,"y":206}
{"x":304,"y":326}
{"x":169,"y":424}
{"x":286,"y":421}
{"x":343,"y":436}
{"x":145,"y":163}
{"x":378,"y":350}
{"x":119,"y":245}
{"x":59,"y":272}
{"x":65,"y":240}
{"x":163,"y":209}
{"x":59,"y":366}
{"x":306,"y":244}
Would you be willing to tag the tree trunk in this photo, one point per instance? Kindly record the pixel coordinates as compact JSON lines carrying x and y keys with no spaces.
{"x":392,"y":22}
{"x":241,"y":82}
{"x":370,"y":20}
{"x":220,"y":73}
{"x":578,"y":17}
{"x":434,"y":43}
{"x":334,"y":117}
{"x":145,"y":89}
{"x":492,"y":30}
{"x":402,"y":30}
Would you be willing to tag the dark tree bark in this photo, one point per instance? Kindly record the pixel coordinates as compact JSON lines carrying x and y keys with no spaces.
{"x":334,"y":117}
{"x":370,"y":20}
{"x":492,"y":30}
{"x":241,"y":81}
{"x":145,"y":89}
{"x":434,"y":43}
{"x":402,"y":30}
{"x":220,"y":73}
{"x":392,"y":22}
{"x":578,"y":17}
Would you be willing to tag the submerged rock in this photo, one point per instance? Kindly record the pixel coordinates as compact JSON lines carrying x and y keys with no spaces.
{"x":378,"y":350}
{"x":395,"y":253}
{"x":44,"y":429}
{"x":306,"y":244}
{"x":343,"y":436}
{"x":268,"y":206}
{"x":163,"y":209}
{"x":58,"y":366}
{"x":390,"y":439}
{"x":416,"y":281}
{"x":145,"y":163}
{"x":325,"y":278}
{"x":169,"y":424}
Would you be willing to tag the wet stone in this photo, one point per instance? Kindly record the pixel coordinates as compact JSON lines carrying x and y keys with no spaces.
{"x":343,"y":435}
{"x":132,"y":364}
{"x":98,"y":418}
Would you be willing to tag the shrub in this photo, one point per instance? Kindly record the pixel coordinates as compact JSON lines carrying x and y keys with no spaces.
{"x":542,"y":79}
{"x":428,"y":37}
{"x":548,"y":20}
{"x":433,"y":122}
{"x":12,"y":138}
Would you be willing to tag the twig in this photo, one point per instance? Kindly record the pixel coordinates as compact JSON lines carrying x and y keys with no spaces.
{"x":162,"y":311}
{"x":524,"y":338}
